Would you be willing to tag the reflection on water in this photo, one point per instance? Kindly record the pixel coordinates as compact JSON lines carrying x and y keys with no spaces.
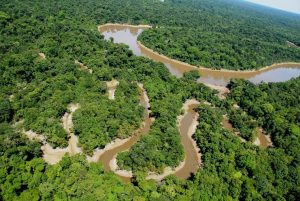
{"x":280,"y":74}
{"x":128,"y":36}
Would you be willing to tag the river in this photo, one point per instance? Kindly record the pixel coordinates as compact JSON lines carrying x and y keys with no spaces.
{"x":128,"y":35}
{"x":187,"y":123}
{"x":108,"y":156}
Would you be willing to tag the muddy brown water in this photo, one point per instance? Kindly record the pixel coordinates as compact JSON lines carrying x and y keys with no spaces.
{"x":226,"y":124}
{"x":128,"y":35}
{"x":192,"y":160}
{"x":107,"y":156}
{"x":264,"y":140}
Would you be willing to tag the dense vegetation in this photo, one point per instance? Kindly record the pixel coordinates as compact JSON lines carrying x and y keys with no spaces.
{"x":244,"y":124}
{"x":166,"y":101}
{"x":275,"y":106}
{"x":39,"y":90}
{"x":223,"y":34}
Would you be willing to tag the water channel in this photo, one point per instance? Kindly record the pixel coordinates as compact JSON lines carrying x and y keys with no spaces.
{"x":128,"y":35}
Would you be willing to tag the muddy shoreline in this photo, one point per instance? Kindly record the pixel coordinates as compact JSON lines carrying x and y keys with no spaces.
{"x":128,"y":34}
{"x":109,"y":155}
{"x":202,"y":68}
{"x":51,"y":155}
{"x":122,"y":25}
{"x":112,"y":86}
{"x":192,"y":159}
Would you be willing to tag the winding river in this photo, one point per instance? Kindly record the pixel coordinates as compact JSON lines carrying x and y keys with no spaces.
{"x":128,"y":35}
{"x":108,"y":158}
{"x":186,"y":123}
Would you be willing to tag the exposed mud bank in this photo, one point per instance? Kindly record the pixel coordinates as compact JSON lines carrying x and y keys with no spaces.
{"x":187,"y":125}
{"x":83,"y":67}
{"x":51,"y":155}
{"x":128,"y":34}
{"x":223,"y":91}
{"x":109,"y":155}
{"x":104,"y":26}
{"x":112,"y":86}
{"x":42,"y":55}
{"x":262,"y":140}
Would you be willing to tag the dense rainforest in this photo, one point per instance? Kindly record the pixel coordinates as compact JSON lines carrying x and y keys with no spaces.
{"x":35,"y":92}
{"x":226,"y":35}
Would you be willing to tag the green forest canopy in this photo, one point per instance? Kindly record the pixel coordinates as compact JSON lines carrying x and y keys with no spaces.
{"x":226,"y":35}
{"x":39,"y":91}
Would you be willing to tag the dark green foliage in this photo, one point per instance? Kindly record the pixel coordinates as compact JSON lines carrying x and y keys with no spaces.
{"x":244,"y":124}
{"x":192,"y":75}
{"x":215,"y":50}
{"x":276,"y":107}
{"x":225,"y":34}
{"x":6,"y":112}
{"x":99,"y":120}
{"x":42,"y":89}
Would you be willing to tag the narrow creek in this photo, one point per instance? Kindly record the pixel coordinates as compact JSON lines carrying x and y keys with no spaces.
{"x":128,"y":34}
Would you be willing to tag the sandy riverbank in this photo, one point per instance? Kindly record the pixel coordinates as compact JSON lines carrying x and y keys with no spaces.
{"x":112,"y":86}
{"x":122,"y":25}
{"x":115,"y":168}
{"x":262,"y":140}
{"x":192,"y":129}
{"x":83,"y":67}
{"x":223,"y":91}
{"x":290,"y":44}
{"x":73,"y":147}
{"x":51,"y":155}
{"x":206,"y":69}
{"x":42,"y":55}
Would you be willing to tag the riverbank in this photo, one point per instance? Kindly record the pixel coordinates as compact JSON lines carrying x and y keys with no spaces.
{"x":108,"y":157}
{"x":51,"y":155}
{"x":202,"y":68}
{"x":223,"y":91}
{"x":280,"y":72}
{"x":83,"y":67}
{"x":112,"y":86}
{"x":192,"y":159}
{"x":262,"y":140}
{"x":123,"y":25}
{"x":42,"y":55}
